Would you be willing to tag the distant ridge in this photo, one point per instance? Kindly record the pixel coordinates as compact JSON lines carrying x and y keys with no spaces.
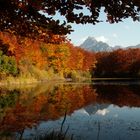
{"x":133,"y":47}
{"x":91,"y":44}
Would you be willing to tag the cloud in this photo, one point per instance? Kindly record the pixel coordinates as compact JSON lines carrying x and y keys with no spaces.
{"x":102,"y":38}
{"x":102,"y":112}
{"x":127,"y":27}
{"x":82,"y":111}
{"x":115,"y":35}
{"x":84,"y":38}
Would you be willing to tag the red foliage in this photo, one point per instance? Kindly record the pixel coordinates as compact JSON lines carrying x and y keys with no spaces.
{"x":120,"y":63}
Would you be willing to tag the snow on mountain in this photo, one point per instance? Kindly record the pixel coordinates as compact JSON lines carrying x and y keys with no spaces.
{"x":91,"y":44}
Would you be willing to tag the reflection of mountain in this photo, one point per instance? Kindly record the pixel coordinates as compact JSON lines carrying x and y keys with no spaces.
{"x":93,"y":108}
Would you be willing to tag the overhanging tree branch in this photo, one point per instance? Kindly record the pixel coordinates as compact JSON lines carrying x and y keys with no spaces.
{"x":23,"y":17}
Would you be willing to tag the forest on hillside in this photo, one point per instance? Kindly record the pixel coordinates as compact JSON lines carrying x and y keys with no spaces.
{"x":29,"y":58}
{"x":121,"y":63}
{"x":25,"y":57}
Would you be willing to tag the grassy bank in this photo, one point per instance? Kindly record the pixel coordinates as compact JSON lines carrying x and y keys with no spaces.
{"x":37,"y":76}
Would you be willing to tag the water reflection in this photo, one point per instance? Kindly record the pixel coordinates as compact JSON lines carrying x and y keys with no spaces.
{"x":93,"y":111}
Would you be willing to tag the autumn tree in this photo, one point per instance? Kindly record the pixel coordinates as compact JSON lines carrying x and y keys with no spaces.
{"x":57,"y":57}
{"x":119,"y":63}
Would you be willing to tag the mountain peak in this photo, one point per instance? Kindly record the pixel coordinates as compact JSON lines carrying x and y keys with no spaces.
{"x":91,"y":44}
{"x":91,"y":38}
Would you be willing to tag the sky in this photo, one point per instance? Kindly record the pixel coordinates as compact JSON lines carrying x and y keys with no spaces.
{"x":125,"y":33}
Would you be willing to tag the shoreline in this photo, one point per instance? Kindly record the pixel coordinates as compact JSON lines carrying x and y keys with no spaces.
{"x":32,"y":80}
{"x":116,"y":79}
{"x":28,"y":81}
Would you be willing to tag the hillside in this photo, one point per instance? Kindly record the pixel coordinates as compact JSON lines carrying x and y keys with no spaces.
{"x":27,"y":58}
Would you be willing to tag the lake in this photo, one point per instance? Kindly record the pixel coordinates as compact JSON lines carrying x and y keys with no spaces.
{"x":79,"y":111}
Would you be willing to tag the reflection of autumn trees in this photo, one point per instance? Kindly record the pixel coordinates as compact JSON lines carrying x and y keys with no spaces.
{"x":44,"y":105}
{"x":119,"y":95}
{"x":47,"y":102}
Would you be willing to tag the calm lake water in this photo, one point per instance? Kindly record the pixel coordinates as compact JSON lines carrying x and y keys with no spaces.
{"x":94,"y":111}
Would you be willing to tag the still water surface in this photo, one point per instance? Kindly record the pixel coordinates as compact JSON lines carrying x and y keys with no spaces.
{"x":94,"y":112}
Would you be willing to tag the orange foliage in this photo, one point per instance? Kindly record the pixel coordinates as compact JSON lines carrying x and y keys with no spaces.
{"x":81,"y":59}
{"x":61,"y":57}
